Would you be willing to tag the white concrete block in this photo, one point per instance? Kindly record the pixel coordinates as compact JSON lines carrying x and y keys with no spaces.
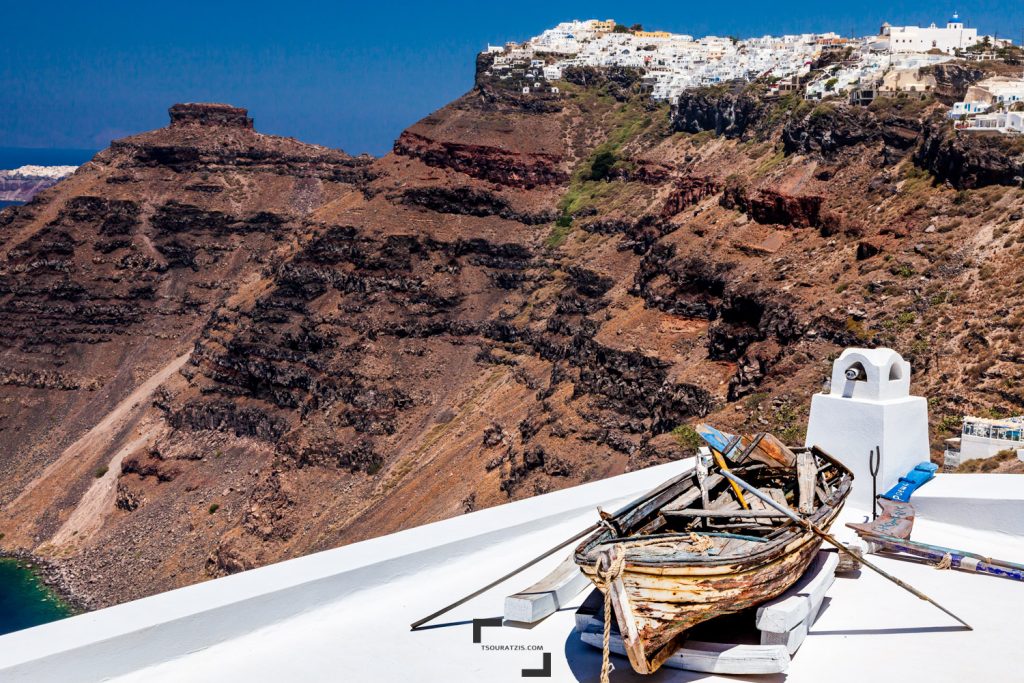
{"x":716,"y":658}
{"x":782,"y":614}
{"x":990,"y":502}
{"x":548,"y":595}
{"x":786,"y":620}
{"x":791,"y":640}
{"x":591,"y":609}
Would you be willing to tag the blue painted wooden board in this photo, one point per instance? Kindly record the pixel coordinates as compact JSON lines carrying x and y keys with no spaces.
{"x":718,"y":440}
{"x":915,"y":479}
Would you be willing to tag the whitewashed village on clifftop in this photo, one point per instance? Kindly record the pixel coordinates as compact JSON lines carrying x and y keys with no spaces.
{"x":816,"y":65}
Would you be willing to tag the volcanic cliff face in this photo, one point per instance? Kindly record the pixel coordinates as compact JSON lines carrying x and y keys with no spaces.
{"x":222,"y":349}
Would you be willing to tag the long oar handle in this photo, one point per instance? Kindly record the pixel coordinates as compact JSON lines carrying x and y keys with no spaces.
{"x":593,"y":527}
{"x":940,"y":549}
{"x":492,"y":584}
{"x":842,"y":548}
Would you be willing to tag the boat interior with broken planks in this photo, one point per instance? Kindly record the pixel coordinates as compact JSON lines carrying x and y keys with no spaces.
{"x":697,"y":547}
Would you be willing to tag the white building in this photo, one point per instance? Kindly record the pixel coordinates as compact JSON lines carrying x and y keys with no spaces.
{"x":998,"y":92}
{"x":982,"y":438}
{"x":1004,"y":90}
{"x":998,"y":121}
{"x":672,"y":63}
{"x":552,"y":72}
{"x":955,"y":36}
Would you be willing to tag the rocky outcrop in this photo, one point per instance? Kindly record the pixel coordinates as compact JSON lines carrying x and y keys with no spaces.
{"x":689,"y":286}
{"x":829,"y":129}
{"x":468,"y":201}
{"x":952,"y":79}
{"x":620,"y":82}
{"x":216,"y":138}
{"x":769,"y":206}
{"x":486,"y":163}
{"x":209,"y":114}
{"x":688,"y":191}
{"x":127,"y":498}
{"x":969,"y":160}
{"x":726,"y":113}
{"x":266,"y":516}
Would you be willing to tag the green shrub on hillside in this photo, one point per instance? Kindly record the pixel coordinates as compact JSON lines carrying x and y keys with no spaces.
{"x":601,"y":165}
{"x":687,"y":437}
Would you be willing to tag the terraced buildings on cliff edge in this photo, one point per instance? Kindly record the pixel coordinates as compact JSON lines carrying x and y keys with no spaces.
{"x":819,"y":65}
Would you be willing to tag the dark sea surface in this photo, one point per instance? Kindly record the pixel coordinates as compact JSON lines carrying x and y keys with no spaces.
{"x":4,"y":202}
{"x":13,"y":157}
{"x":24,"y":600}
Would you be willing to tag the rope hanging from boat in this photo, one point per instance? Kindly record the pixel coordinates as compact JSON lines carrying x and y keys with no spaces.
{"x":946,"y":562}
{"x":604,"y":579}
{"x":605,"y":521}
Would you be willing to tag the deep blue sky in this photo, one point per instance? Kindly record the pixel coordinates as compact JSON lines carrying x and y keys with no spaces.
{"x":344,"y":74}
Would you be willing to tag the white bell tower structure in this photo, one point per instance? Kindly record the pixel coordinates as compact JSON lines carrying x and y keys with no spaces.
{"x":868,"y":405}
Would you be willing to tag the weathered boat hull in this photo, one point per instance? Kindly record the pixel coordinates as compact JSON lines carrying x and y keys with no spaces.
{"x":665,"y":602}
{"x":661,"y":577}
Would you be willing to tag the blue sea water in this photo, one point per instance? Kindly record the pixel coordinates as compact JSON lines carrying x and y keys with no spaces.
{"x":24,"y":600}
{"x":13,"y":157}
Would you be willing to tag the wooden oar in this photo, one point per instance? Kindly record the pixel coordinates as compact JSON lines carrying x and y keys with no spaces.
{"x":416,"y":624}
{"x":769,"y":501}
{"x":893,"y":527}
{"x":958,"y":559}
{"x":725,"y":469}
{"x":590,"y":529}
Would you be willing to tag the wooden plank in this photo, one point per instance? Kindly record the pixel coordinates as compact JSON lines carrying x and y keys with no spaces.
{"x":632,"y":518}
{"x":850,"y":564}
{"x":690,"y":497}
{"x":735,"y":487}
{"x":773,"y":452}
{"x":548,"y":595}
{"x":806,"y":472}
{"x":627,"y":626}
{"x":778,"y":495}
{"x":766,"y":518}
{"x":702,"y":512}
{"x":704,"y":657}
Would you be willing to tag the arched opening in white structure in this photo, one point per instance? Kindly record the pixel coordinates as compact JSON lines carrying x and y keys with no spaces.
{"x":895,"y":372}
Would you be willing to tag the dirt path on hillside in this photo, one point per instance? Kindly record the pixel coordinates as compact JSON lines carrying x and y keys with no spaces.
{"x":79,"y":459}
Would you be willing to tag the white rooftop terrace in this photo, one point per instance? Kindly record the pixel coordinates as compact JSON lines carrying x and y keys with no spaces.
{"x":344,"y":614}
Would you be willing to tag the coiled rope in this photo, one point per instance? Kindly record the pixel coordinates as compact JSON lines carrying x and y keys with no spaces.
{"x":604,"y":579}
{"x":946,"y":562}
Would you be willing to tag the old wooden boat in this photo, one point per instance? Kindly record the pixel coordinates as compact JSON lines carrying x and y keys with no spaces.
{"x":696,"y":548}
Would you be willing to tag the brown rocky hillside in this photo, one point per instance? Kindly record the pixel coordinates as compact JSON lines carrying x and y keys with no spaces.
{"x":222,"y":349}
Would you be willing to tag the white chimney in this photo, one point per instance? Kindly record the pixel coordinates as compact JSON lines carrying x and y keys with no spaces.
{"x":868,"y":405}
